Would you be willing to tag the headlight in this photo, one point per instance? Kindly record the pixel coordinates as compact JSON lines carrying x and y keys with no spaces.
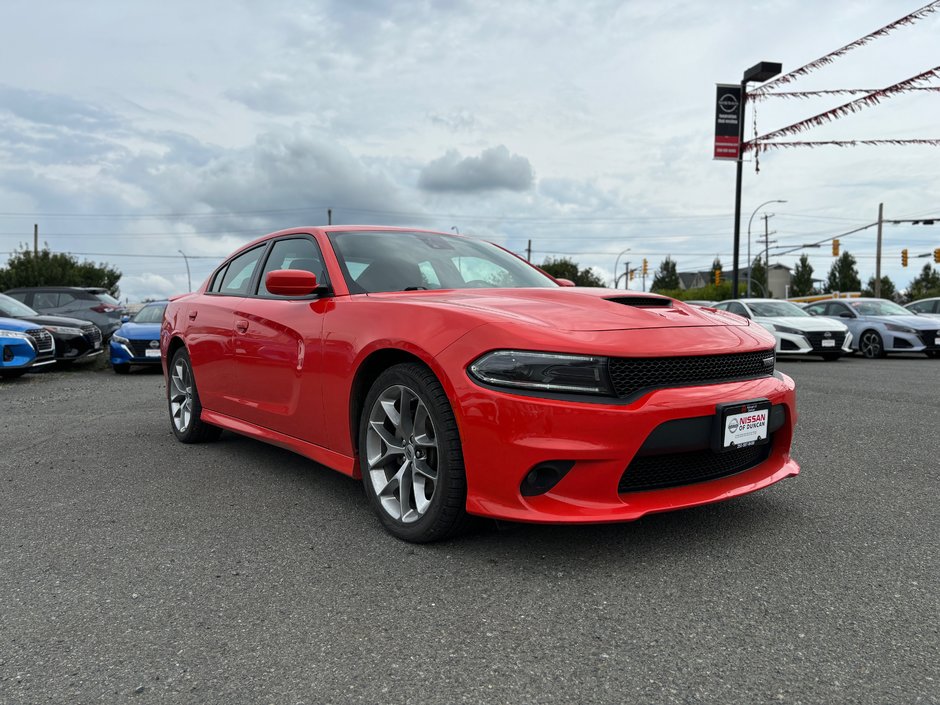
{"x":17,"y":334}
{"x":552,"y":372}
{"x":786,"y":329}
{"x":899,"y":329}
{"x":119,"y":339}
{"x":63,"y":330}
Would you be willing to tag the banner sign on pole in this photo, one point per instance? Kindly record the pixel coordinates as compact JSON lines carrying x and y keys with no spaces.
{"x":727,"y":121}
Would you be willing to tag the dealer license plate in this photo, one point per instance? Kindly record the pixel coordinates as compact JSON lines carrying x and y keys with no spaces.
{"x":936,"y":341}
{"x":152,"y":353}
{"x":829,"y":343}
{"x":743,"y":424}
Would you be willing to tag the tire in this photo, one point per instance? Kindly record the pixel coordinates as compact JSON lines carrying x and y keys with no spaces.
{"x":183,"y":403}
{"x":12,"y":374}
{"x":419,"y":451}
{"x":871,"y":345}
{"x":121,"y":368}
{"x":829,"y":357}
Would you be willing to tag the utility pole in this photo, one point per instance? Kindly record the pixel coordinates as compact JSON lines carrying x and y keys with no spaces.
{"x":767,"y":234}
{"x":528,"y":252}
{"x":329,"y":216}
{"x":881,"y":210}
{"x":35,"y":239}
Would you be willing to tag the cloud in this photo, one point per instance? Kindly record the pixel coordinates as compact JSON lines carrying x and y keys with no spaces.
{"x":495,"y":169}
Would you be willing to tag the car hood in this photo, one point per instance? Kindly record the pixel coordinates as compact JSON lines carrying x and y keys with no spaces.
{"x":14,"y":324}
{"x":139,"y":331}
{"x":64,"y":321}
{"x":572,"y":308}
{"x":913,"y":321}
{"x":807,"y":323}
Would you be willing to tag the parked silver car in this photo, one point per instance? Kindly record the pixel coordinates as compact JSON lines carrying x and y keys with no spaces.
{"x":925,"y":307}
{"x":880,"y":326}
{"x":797,"y":332}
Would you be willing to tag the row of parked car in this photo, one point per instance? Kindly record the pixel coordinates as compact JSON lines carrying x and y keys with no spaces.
{"x":42,"y":326}
{"x":835,"y":327}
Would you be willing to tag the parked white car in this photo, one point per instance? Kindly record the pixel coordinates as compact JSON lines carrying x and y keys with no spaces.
{"x":797,"y":332}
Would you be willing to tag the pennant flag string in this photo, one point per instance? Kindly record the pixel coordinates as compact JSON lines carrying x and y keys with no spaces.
{"x":764,"y":146}
{"x":832,"y":56}
{"x":833,"y":91}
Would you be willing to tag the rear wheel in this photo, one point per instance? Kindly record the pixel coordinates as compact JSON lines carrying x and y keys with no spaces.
{"x":183,"y":402}
{"x":871,"y":345}
{"x":12,"y":374}
{"x":121,"y":369}
{"x":410,"y":456}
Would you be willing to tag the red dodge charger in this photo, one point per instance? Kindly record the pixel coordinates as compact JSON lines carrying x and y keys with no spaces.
{"x":456,"y":379}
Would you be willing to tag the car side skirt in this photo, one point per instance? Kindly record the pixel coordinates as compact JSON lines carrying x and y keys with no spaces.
{"x":337,"y":461}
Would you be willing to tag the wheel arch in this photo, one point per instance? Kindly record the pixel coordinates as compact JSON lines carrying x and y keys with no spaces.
{"x":175,"y":344}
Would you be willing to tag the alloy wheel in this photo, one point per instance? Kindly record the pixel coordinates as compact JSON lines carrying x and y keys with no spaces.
{"x":181,"y":395}
{"x":402,"y":453}
{"x":871,"y":345}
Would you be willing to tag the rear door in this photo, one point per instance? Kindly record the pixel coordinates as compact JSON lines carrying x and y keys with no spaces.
{"x":210,"y":332}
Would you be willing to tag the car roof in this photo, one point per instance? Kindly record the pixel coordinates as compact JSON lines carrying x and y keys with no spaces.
{"x":327,"y":229}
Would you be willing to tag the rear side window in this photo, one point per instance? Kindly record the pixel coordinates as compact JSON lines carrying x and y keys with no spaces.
{"x":45,"y":299}
{"x":922,"y":306}
{"x":237,"y":278}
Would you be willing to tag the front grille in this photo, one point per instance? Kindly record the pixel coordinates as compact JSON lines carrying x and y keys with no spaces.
{"x":929,"y":337}
{"x":140,"y":347}
{"x":93,"y":332}
{"x":815,"y":339}
{"x":654,"y":472}
{"x":45,"y":343}
{"x":632,"y":374}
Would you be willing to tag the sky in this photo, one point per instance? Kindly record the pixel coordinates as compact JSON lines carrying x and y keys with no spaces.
{"x":134,"y":133}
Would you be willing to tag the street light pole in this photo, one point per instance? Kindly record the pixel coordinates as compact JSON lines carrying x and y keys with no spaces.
{"x":751,"y":220}
{"x":761,"y":72}
{"x":617,"y":265}
{"x":189,"y":278}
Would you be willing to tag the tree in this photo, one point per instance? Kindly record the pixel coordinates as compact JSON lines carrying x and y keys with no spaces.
{"x":758,"y":277}
{"x":888,"y":290}
{"x":667,"y":277}
{"x":802,"y":282}
{"x":45,"y":268}
{"x":565,"y":268}
{"x":927,"y":283}
{"x":843,"y":276}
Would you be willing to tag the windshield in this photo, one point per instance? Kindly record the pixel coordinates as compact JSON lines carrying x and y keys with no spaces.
{"x":106,"y":298}
{"x":775,"y":309}
{"x":408,"y":261}
{"x":150,"y":314}
{"x":878,"y":307}
{"x":12,"y":308}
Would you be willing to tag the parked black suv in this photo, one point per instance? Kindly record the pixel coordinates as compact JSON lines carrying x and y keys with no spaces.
{"x":93,"y":304}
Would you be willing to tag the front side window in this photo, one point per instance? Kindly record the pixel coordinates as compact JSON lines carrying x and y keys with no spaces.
{"x":237,"y":277}
{"x":294,"y":253}
{"x":407,"y":261}
{"x":776,"y":309}
{"x":735,"y":307}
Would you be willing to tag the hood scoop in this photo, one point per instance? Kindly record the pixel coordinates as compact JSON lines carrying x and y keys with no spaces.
{"x":642,"y":301}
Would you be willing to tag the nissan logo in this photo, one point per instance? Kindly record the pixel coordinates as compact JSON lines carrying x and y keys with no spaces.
{"x":733,"y":425}
{"x":154,"y":343}
{"x":827,"y":334}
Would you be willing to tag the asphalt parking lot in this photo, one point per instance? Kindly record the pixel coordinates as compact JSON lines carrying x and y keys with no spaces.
{"x":135,"y":568}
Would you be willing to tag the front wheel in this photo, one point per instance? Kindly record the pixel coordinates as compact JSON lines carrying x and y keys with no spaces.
{"x":12,"y":374}
{"x":871,"y":345}
{"x":410,"y":456}
{"x":183,"y":402}
{"x":121,"y":368}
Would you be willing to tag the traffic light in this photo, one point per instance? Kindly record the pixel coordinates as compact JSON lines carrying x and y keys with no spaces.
{"x":904,"y":257}
{"x":835,"y":247}
{"x":717,"y":277}
{"x":936,"y":255}
{"x":632,"y":272}
{"x":646,"y":266}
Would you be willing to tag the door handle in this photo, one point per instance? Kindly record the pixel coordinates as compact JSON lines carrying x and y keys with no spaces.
{"x":192,"y":315}
{"x":241,"y":326}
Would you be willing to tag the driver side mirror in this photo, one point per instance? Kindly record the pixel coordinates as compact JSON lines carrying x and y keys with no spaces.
{"x":291,"y":282}
{"x":565,"y":282}
{"x":846,"y":314}
{"x":125,"y":318}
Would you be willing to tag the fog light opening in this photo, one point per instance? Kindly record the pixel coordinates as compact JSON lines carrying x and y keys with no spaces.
{"x":7,"y":354}
{"x":544,"y":476}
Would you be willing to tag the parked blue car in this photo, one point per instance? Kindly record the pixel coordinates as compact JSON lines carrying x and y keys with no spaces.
{"x":23,"y":346}
{"x":137,"y":341}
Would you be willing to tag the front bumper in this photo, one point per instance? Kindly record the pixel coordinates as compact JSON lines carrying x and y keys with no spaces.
{"x":505,"y":436}
{"x":134,"y":352}
{"x":921,"y":341}
{"x":811,"y":344}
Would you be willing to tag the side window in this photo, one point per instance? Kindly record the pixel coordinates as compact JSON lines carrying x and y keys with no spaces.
{"x":922,"y":306}
{"x":835,"y":309}
{"x":294,"y":253}
{"x":45,"y":299}
{"x":735,"y":307}
{"x":19,"y":296}
{"x":430,"y":276}
{"x":216,"y":286}
{"x":237,"y":277}
{"x":816,"y":309}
